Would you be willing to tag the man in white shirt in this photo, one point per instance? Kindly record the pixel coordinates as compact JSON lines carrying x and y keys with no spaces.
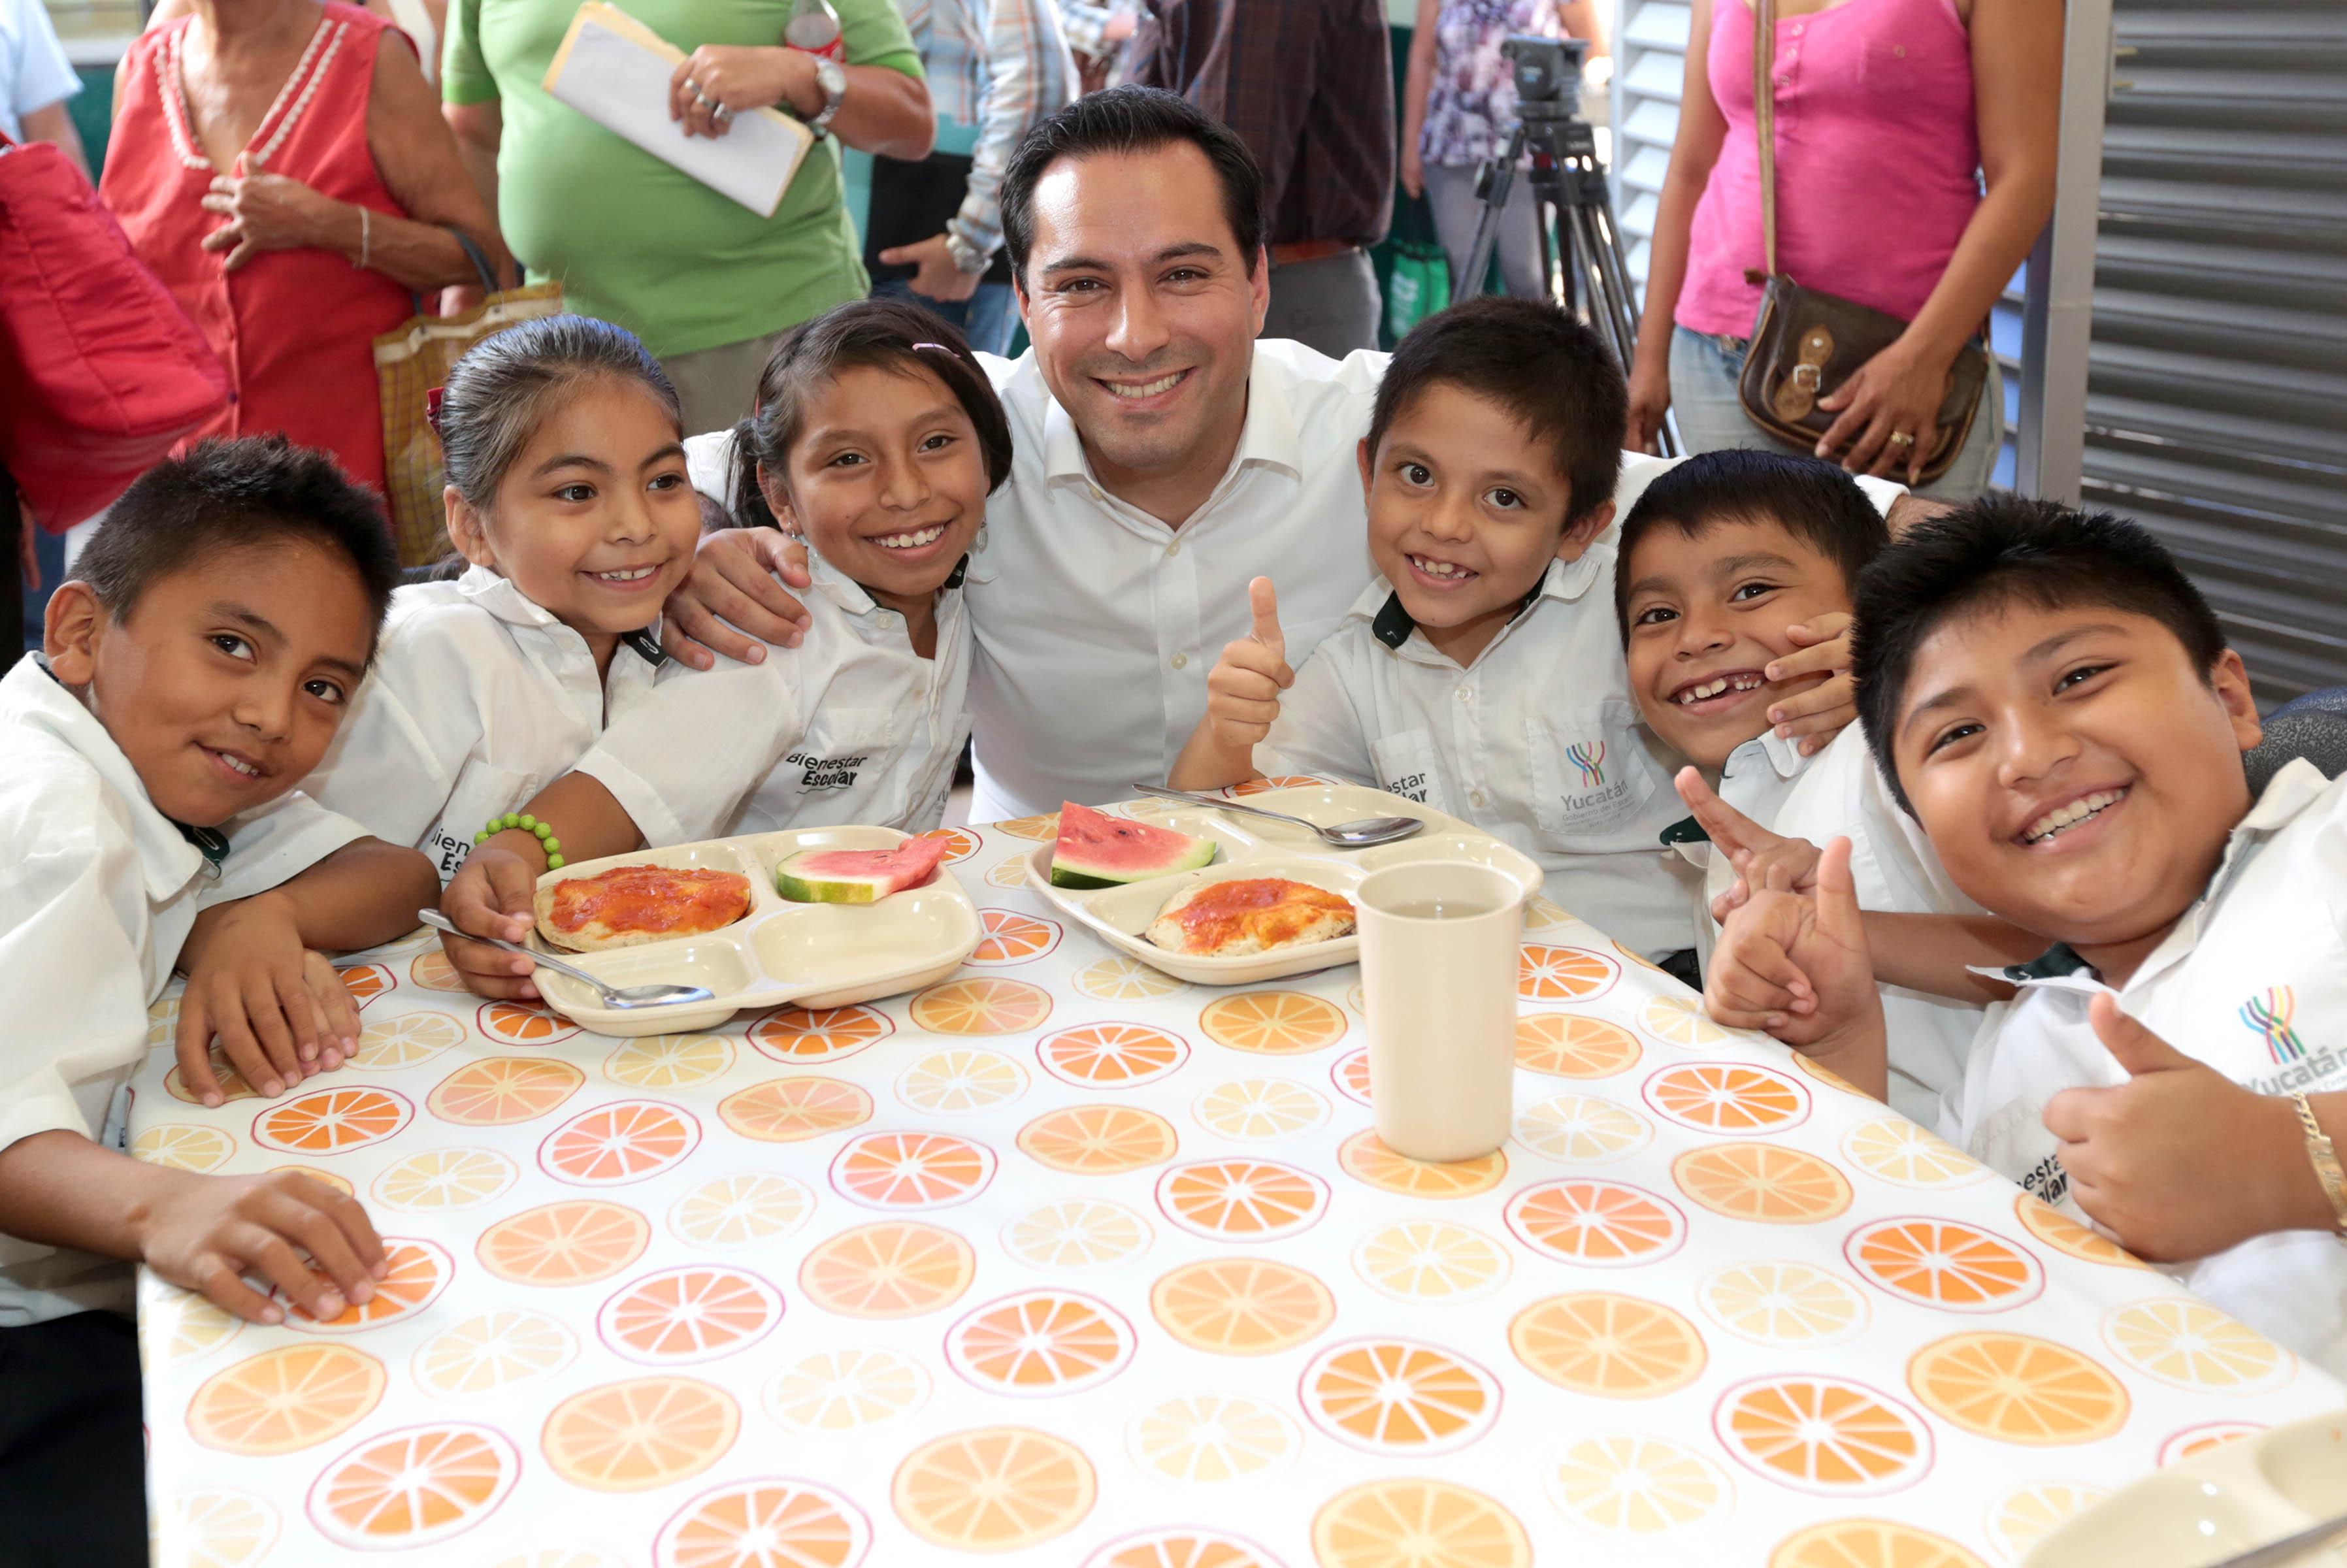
{"x":1164,"y":458}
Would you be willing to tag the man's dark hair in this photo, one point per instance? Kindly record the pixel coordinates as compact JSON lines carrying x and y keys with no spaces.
{"x":1555,"y":376}
{"x":1811,"y":499}
{"x":222,"y":495}
{"x":2004,"y":550}
{"x":1131,"y":118}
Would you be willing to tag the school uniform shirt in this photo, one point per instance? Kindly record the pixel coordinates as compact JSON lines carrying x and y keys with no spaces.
{"x":1839,"y":792}
{"x":97,"y":892}
{"x":1536,"y":743}
{"x":2253,"y":982}
{"x":852,"y":726}
{"x":478,"y":699}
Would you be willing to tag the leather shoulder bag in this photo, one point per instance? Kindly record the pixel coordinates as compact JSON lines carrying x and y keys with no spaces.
{"x":1805,"y":341}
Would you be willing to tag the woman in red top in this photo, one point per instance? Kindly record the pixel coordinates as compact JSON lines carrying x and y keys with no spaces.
{"x":283,"y":167}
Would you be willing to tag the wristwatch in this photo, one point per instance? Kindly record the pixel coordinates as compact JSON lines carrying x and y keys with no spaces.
{"x":834,"y":83}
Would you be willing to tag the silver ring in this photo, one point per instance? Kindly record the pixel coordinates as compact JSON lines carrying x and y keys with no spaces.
{"x":692,"y":86}
{"x":721,"y":114}
{"x":701,"y":98}
{"x":1901,"y":438}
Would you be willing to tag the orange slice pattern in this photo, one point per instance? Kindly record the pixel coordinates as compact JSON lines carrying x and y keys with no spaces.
{"x":2018,"y":1390}
{"x":1783,"y":1304}
{"x":1563,"y":974}
{"x":366,"y":982}
{"x":995,"y":1489}
{"x":1182,"y":1548}
{"x":504,"y":1089}
{"x":1351,"y":1075}
{"x":1418,"y":1524}
{"x":1257,"y":1109}
{"x":183,"y":1146}
{"x":797,"y":1036}
{"x":2068,"y":1237}
{"x":232,"y":1083}
{"x":1615,"y":1347}
{"x":639,"y":1434}
{"x":743,"y":1209}
{"x":1246,"y":787}
{"x":1430,"y":1260}
{"x":434,"y":972}
{"x":1905,"y":1155}
{"x":691,"y":1314}
{"x":1600,"y":1224}
{"x":2191,"y":1345}
{"x":1869,"y":1543}
{"x":329,"y":1121}
{"x":1099,"y":1140}
{"x":791,"y":1110}
{"x":576,"y":1242}
{"x":525,"y":1023}
{"x":612,"y":1145}
{"x":1241,"y":1305}
{"x":765,"y":1525}
{"x":1112,"y":1055}
{"x":1035,"y":829}
{"x":1763,"y":1183}
{"x":1824,"y":1435}
{"x":1124,"y":980}
{"x":419,"y":1273}
{"x":1568,"y":1045}
{"x":1625,"y":1483}
{"x":1013,"y":938}
{"x":1728,"y":1097}
{"x":1955,"y":1267}
{"x":981,"y":1006}
{"x":1043,"y":1342}
{"x":2193,"y":1441}
{"x":1395,"y":1396}
{"x":389,"y":1044}
{"x":1679,"y":1020}
{"x":295,"y":1397}
{"x":1365,"y":1158}
{"x":1242,"y":1200}
{"x":899,"y":1269}
{"x":1076,"y":1236}
{"x":911,"y":1170}
{"x":1273,"y":1023}
{"x":413,"y":1488}
{"x":961,"y":843}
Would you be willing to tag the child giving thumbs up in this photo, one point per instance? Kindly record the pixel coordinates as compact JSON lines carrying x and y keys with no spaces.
{"x":1242,"y":701}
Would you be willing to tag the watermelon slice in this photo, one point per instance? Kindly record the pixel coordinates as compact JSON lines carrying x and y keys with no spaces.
{"x":1097,"y":850}
{"x":857,"y":875}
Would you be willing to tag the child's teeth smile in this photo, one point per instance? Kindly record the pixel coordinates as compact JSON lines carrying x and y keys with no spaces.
{"x":624,"y":575}
{"x":2062,"y":818}
{"x":235,"y":764}
{"x":1442,"y":568}
{"x":918,"y":539}
{"x":1703,"y":690}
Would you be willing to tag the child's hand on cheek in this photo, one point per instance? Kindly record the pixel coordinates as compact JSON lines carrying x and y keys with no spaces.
{"x":2180,"y":1161}
{"x":279,"y":1010}
{"x":1817,"y":715}
{"x":493,"y":893}
{"x":1242,"y":689}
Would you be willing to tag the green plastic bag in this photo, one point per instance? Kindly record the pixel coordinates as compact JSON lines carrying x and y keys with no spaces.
{"x":1419,"y":286}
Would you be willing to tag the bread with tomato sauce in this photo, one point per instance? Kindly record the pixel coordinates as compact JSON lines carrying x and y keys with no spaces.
{"x":629,"y":906}
{"x":1244,"y":916}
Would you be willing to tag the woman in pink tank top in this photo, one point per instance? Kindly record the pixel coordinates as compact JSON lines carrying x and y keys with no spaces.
{"x":1915,"y":149}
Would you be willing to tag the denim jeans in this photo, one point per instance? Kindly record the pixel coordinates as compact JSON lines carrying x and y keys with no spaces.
{"x":985,"y":320}
{"x":1703,"y":372}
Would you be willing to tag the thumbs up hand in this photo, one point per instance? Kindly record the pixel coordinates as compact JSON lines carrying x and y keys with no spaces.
{"x":1811,"y":949}
{"x":2180,"y":1161}
{"x":1242,"y":689}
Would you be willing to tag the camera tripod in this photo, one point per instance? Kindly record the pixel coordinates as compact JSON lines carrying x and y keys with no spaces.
{"x":1581,"y":257}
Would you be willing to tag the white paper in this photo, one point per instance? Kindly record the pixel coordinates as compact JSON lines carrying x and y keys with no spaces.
{"x":624,"y":85}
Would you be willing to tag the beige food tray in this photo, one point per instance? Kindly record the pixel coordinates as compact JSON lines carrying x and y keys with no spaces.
{"x":1251,"y":846}
{"x":2205,"y":1509}
{"x":815,"y":955}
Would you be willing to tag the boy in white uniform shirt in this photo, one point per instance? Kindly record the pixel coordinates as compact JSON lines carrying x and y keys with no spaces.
{"x":1718,"y":557}
{"x":1478,"y":673}
{"x":2054,"y":700}
{"x":193,"y":672}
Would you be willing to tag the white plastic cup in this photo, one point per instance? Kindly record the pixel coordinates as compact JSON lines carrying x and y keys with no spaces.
{"x":1440,"y":940}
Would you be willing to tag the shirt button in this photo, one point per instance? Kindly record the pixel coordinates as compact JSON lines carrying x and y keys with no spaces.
{"x":1179,"y":660}
{"x":1475,"y":799}
{"x":1465,"y":695}
{"x":1174,"y":548}
{"x":1797,"y":28}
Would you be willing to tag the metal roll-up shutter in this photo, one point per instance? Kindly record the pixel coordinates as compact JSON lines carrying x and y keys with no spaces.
{"x":2217,"y":392}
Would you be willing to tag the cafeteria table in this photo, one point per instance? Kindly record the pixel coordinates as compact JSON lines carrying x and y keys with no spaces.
{"x":1061,"y":1260}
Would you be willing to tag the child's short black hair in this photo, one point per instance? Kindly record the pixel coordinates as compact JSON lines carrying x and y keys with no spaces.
{"x":222,"y":495}
{"x":1555,"y":375}
{"x":1810,"y":498}
{"x":1998,"y":550}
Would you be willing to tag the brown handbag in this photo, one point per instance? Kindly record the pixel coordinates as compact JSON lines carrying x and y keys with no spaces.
{"x":1805,"y":341}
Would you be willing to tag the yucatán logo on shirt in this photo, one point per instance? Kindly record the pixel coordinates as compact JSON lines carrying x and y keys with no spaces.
{"x":1589,"y":759}
{"x":822,"y":774}
{"x":1591,"y":791}
{"x":2272,"y":1016}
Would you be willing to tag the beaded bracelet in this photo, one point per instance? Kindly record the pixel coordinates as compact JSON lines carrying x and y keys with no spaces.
{"x":527,"y":824}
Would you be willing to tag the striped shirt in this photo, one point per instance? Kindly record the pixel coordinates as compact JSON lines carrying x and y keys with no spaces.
{"x":998,"y":65}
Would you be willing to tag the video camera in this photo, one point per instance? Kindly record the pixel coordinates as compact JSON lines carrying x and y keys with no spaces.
{"x":1547,"y":74}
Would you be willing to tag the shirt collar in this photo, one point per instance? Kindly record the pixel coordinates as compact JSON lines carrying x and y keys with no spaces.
{"x":851,"y":596}
{"x":1781,"y":755}
{"x":1391,"y":624}
{"x":168,"y":858}
{"x":496,"y":594}
{"x":1267,"y":439}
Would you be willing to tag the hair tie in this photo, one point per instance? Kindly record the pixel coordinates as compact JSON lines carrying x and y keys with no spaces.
{"x":431,"y":401}
{"x":938,"y":346}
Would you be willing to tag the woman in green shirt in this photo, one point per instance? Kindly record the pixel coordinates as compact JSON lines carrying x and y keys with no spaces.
{"x":703,"y":281}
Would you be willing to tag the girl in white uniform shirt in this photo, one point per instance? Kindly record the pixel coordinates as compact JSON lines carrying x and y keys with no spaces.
{"x":568,"y":494}
{"x":878,"y":439}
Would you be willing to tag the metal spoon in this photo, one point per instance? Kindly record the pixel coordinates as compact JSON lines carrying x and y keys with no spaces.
{"x":619,"y":998}
{"x":1362,"y":834}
